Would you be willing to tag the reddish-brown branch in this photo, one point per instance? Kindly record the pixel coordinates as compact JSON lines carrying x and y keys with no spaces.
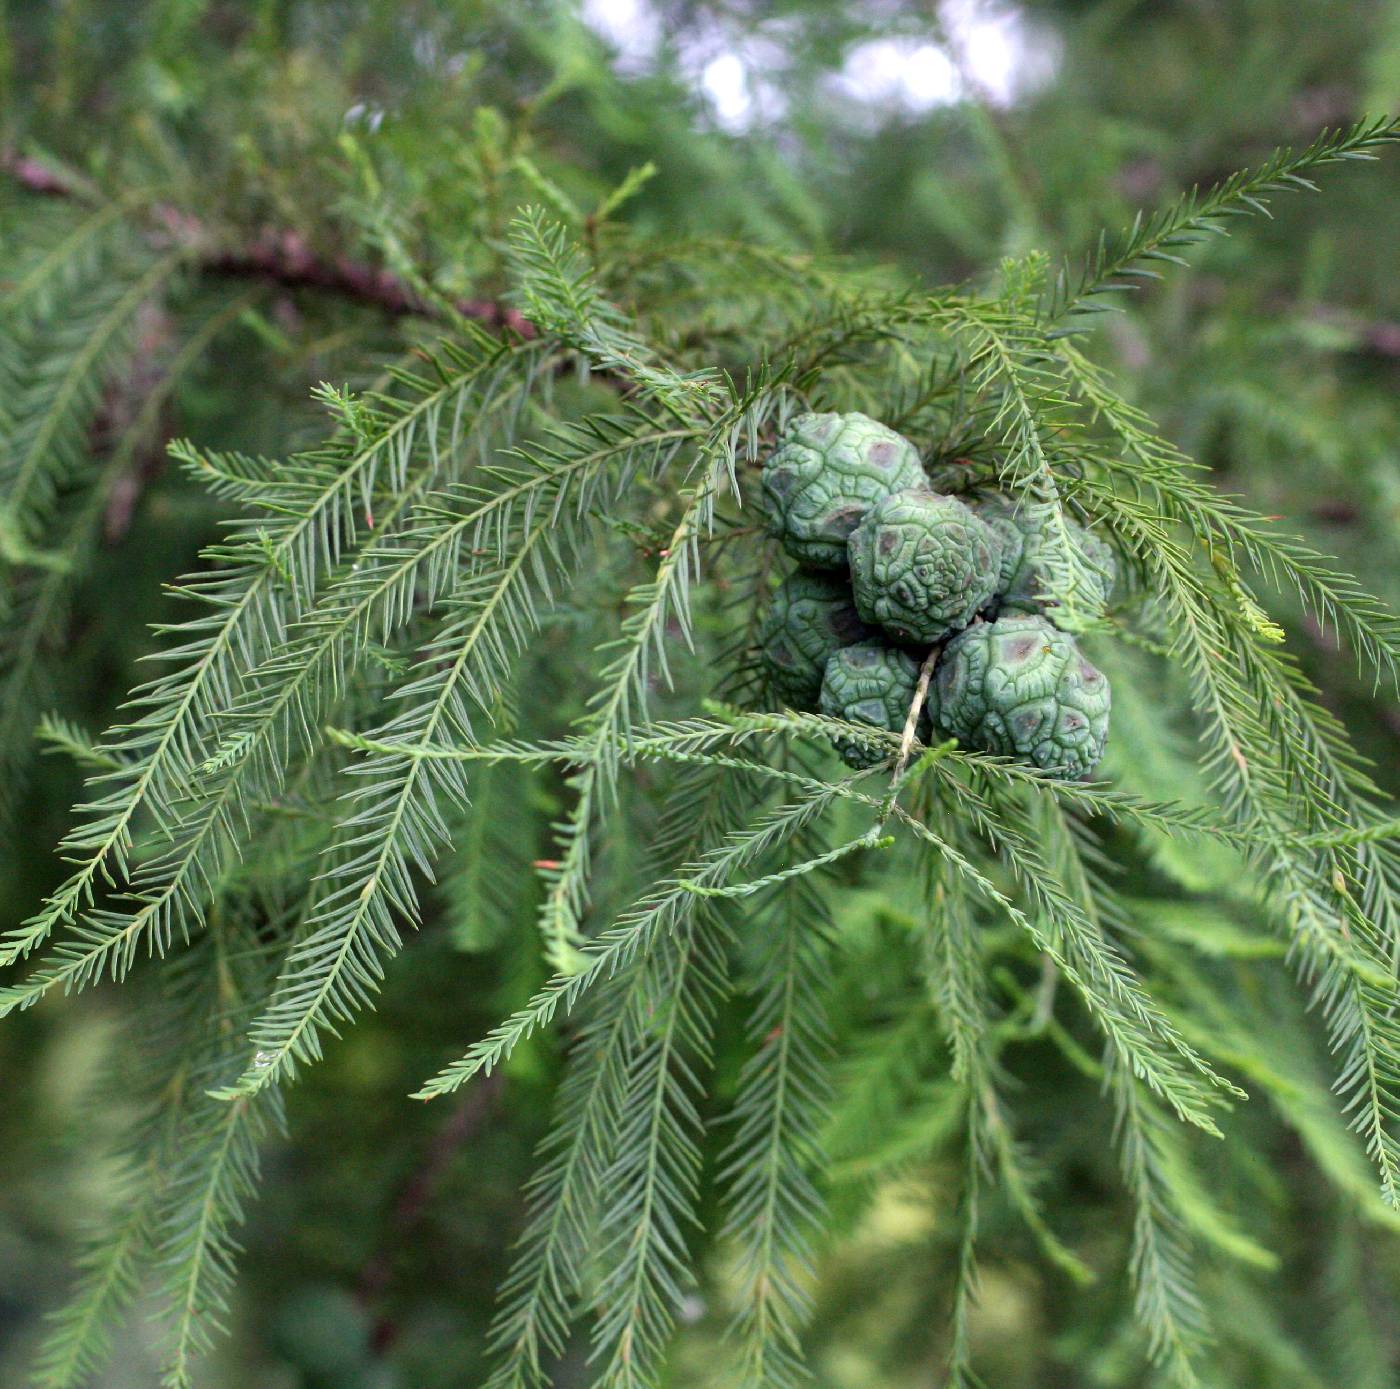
{"x":286,"y":258}
{"x":30,"y":174}
{"x":472,"y":1112}
{"x":1376,"y":336}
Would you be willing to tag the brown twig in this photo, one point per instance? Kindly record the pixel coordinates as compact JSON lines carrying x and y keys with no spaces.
{"x":1376,"y":336}
{"x":911,"y":723}
{"x":285,"y":257}
{"x":35,"y":177}
{"x":125,"y":400}
{"x":463,"y":1124}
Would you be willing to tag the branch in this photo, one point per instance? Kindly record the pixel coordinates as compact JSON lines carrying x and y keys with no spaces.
{"x":1197,"y":216}
{"x":1380,"y":337}
{"x":415,"y":1197}
{"x":284,"y":257}
{"x":35,"y":177}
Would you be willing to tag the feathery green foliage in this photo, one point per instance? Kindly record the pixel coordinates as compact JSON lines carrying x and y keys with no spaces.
{"x":464,"y":621}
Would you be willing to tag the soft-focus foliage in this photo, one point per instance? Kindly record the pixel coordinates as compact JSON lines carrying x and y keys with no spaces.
{"x":436,"y":344}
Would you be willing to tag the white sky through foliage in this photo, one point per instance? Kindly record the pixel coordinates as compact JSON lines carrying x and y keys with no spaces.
{"x":993,"y":46}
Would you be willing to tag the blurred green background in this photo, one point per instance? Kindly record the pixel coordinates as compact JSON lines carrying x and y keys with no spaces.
{"x":929,"y":140}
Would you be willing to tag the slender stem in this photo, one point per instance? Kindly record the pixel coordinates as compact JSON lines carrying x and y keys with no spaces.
{"x":911,"y":722}
{"x":279,"y":256}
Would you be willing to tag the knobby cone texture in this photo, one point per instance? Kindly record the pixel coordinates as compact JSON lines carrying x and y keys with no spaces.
{"x":1023,"y":582}
{"x":1020,"y":687}
{"x":812,"y":616}
{"x":922,"y":565}
{"x":926,"y":569}
{"x":868,"y":683}
{"x":827,"y":473}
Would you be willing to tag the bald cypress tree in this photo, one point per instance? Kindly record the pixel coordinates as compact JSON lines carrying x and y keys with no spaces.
{"x":385,"y":569}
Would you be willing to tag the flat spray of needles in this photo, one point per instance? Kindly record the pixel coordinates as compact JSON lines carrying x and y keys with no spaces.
{"x":819,"y":509}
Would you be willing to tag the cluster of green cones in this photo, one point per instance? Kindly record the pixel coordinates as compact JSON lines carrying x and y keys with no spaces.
{"x":893,"y":572}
